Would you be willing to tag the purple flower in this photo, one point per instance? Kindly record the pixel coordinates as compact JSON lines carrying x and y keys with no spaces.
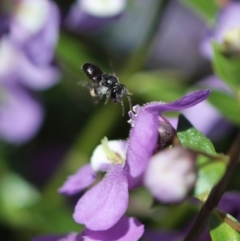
{"x":103,"y":205}
{"x":28,"y":36}
{"x":144,"y":134}
{"x":97,"y":208}
{"x":171,"y":174}
{"x":89,"y":15}
{"x":228,"y":20}
{"x":27,"y":48}
{"x":34,"y":27}
{"x":126,"y":229}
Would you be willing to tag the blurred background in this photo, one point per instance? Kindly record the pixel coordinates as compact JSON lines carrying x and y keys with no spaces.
{"x":49,"y":124}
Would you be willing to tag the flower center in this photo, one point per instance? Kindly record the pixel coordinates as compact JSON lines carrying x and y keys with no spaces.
{"x":112,"y":156}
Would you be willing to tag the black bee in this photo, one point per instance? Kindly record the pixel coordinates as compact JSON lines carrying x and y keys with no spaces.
{"x":105,"y":84}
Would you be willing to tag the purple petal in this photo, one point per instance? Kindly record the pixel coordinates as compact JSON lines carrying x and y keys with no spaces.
{"x":104,"y":204}
{"x":183,"y":103}
{"x":36,"y":77}
{"x":41,"y":47}
{"x":126,"y":229}
{"x":20,"y":115}
{"x":144,"y":134}
{"x":80,"y":180}
{"x":142,"y":142}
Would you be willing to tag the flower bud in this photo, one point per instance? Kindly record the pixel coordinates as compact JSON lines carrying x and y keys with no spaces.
{"x":171,"y":174}
{"x":167,"y":134}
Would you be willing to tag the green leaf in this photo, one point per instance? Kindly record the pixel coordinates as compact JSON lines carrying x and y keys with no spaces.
{"x":219,"y":230}
{"x":226,"y":67}
{"x":16,"y":193}
{"x":209,"y":175}
{"x":207,"y":9}
{"x":226,"y":104}
{"x":209,"y":172}
{"x":192,"y":138}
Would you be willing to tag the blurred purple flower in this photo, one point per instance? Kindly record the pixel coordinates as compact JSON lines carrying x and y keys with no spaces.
{"x":228,"y":20}
{"x":90,"y":15}
{"x":171,"y":174}
{"x":206,"y":117}
{"x":176,"y":42}
{"x":28,"y":36}
{"x":27,"y":48}
{"x":126,"y":229}
{"x":20,"y":115}
{"x":103,"y":205}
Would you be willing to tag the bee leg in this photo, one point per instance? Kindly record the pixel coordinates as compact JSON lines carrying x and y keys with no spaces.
{"x":122,"y":108}
{"x":108,"y":94}
{"x":129,"y":102}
